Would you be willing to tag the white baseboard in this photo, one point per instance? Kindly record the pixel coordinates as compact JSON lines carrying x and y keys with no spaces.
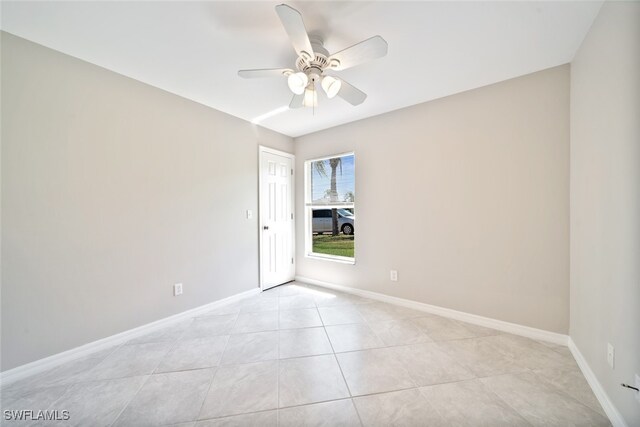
{"x":614,"y":415}
{"x":33,"y":368}
{"x":513,"y":328}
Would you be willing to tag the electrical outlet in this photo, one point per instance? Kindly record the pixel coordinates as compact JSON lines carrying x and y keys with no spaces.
{"x":393,"y":275}
{"x":611,"y":355}
{"x":177,"y":289}
{"x":249,"y":214}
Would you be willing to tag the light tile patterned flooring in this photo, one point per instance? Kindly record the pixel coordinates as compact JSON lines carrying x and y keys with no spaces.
{"x":300,"y":355}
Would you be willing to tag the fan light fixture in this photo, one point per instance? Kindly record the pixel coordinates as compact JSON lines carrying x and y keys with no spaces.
{"x":310,"y":96}
{"x":331,"y":86}
{"x":298,"y":82}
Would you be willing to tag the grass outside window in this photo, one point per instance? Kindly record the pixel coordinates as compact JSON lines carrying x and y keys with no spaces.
{"x":340,"y":245}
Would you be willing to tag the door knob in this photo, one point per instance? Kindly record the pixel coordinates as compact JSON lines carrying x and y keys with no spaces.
{"x":266,"y":227}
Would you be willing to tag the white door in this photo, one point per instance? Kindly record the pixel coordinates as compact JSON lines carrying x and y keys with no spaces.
{"x":276,"y":218}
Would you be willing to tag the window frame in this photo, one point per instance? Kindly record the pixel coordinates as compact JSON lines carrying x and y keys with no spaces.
{"x":309,"y":207}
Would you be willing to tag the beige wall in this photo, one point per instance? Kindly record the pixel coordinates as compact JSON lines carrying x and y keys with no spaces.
{"x":605,"y":200}
{"x":112,"y":191}
{"x":466,"y":196}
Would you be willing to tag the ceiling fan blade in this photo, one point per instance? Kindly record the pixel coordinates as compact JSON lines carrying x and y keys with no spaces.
{"x":351,"y":94}
{"x":294,"y":25}
{"x":297,"y":101}
{"x":366,"y":50}
{"x":266,"y":72}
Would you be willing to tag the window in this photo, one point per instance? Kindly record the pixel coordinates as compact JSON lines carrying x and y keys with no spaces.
{"x":330,"y":206}
{"x":322,"y":213}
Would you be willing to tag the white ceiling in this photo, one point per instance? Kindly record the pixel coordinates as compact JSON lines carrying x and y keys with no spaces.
{"x":194,"y":49}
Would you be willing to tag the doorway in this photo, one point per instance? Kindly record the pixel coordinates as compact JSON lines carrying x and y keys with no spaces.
{"x":276,"y":223}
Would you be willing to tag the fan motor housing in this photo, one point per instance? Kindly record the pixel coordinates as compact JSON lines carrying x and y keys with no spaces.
{"x":318,"y":63}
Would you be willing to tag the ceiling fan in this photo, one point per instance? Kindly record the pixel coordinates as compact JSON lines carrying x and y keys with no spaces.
{"x":314,"y":60}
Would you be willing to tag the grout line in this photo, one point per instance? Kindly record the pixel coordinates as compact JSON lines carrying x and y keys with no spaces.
{"x":16,"y":387}
{"x":503,"y":401}
{"x":94,"y":367}
{"x":355,"y":408}
{"x":173,"y":347}
{"x":434,"y":407}
{"x":563,"y":391}
{"x":351,"y":398}
{"x":64,"y":393}
{"x":224,"y":417}
{"x":217,"y":369}
{"x":215,"y":372}
{"x":338,"y":363}
{"x":130,"y":400}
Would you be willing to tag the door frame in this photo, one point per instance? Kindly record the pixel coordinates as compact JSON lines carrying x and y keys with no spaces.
{"x":262,"y":149}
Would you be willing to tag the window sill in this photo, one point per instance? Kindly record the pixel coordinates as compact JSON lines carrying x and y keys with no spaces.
{"x":338,"y":259}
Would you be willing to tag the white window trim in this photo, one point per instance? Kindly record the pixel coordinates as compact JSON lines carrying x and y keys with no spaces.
{"x":308,"y":219}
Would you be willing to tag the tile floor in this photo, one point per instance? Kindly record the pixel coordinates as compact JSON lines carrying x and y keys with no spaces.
{"x":300,"y":355}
